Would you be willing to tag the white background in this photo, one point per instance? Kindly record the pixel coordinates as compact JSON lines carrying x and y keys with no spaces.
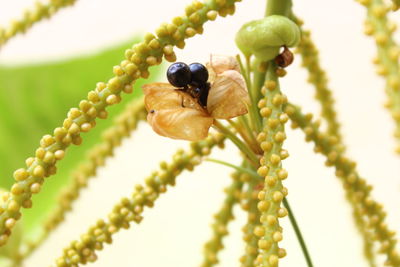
{"x":173,"y":232}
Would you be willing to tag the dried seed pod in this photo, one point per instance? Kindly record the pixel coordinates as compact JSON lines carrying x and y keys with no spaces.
{"x":182,"y":113}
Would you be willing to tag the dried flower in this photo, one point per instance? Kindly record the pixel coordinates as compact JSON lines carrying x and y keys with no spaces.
{"x":177,"y":114}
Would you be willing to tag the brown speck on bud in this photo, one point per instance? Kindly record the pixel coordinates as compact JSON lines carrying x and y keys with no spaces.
{"x":259,"y":186}
{"x":285,"y":58}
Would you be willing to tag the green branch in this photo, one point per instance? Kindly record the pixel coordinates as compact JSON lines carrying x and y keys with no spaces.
{"x":278,"y":7}
{"x":298,"y":233}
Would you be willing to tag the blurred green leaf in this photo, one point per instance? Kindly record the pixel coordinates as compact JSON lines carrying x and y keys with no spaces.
{"x":34,"y":100}
{"x":5,"y":262}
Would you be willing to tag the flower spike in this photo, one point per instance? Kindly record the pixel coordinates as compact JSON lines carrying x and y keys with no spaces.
{"x":137,"y":61}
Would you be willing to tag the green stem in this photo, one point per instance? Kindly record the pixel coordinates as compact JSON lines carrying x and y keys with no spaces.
{"x":254,"y":115}
{"x":238,"y":168}
{"x":248,"y":70}
{"x":247,"y":137}
{"x":255,"y":97}
{"x":298,"y":233}
{"x":278,"y":7}
{"x":258,"y":78}
{"x":239,"y":143}
{"x":244,"y":72}
{"x":244,"y":121}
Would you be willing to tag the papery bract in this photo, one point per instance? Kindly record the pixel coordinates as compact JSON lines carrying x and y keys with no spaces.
{"x":175,"y":114}
{"x":228,"y":97}
{"x":218,"y":64}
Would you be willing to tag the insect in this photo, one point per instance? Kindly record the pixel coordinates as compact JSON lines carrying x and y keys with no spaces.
{"x":185,"y":108}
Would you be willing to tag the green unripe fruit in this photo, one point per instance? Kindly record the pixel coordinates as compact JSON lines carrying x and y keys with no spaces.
{"x":263,"y":38}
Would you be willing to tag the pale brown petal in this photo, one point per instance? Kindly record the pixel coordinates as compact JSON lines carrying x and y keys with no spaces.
{"x":164,"y":96}
{"x":181,"y":123}
{"x":175,"y":114}
{"x":228,"y":96}
{"x":161,"y":96}
{"x":218,"y":64}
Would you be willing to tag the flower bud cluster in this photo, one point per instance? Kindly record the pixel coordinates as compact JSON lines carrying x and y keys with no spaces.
{"x":378,"y":26}
{"x":317,"y":77}
{"x":112,"y":137}
{"x":249,"y":202}
{"x":221,"y":220}
{"x":130,"y":209}
{"x":138,"y":59}
{"x":39,"y":12}
{"x":271,"y":196}
{"x":357,"y":189}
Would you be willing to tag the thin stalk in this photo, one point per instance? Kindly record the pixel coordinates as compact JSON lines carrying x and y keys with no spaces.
{"x":258,"y":79}
{"x":253,"y":92}
{"x":240,"y":130}
{"x":298,"y":233}
{"x":256,"y":96}
{"x":278,"y":7}
{"x":248,"y":69}
{"x":244,"y":121}
{"x":250,"y":141}
{"x":254,"y":115}
{"x":244,"y":72}
{"x":238,"y":168}
{"x":239,"y":143}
